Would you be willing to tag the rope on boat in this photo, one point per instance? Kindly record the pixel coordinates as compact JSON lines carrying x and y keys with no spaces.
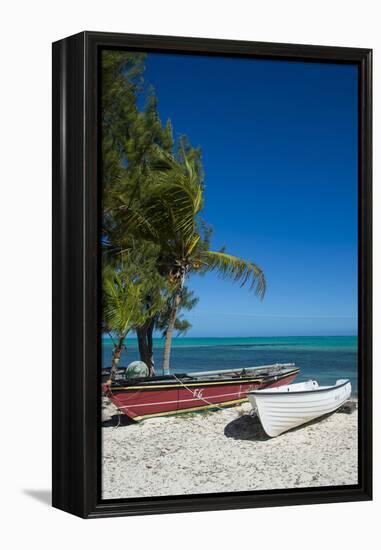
{"x":120,"y":412}
{"x":223,"y":409}
{"x":214,"y":405}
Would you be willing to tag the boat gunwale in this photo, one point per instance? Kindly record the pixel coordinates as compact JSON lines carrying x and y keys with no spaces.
{"x":194,"y":383}
{"x":303,"y":392}
{"x":249,"y":370}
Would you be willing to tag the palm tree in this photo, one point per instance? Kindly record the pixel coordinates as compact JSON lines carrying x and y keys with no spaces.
{"x":169,"y":216}
{"x":123,"y":309}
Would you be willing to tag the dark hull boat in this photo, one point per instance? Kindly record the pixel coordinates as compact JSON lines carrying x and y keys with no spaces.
{"x":141,"y":398}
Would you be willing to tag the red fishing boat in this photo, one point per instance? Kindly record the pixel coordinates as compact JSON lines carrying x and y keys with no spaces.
{"x":141,"y":398}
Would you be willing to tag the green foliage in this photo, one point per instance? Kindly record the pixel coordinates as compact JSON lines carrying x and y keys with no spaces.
{"x":128,"y":135}
{"x":121,"y":303}
{"x":188,"y":302}
{"x":236,"y":269}
{"x":153,"y":234}
{"x":169,"y":217}
{"x":132,"y":293}
{"x":122,"y":79}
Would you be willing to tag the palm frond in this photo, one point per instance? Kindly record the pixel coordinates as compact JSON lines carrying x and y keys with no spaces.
{"x":179,"y":203}
{"x":169,"y":171}
{"x":121,"y":302}
{"x":137,"y":223}
{"x":237,"y":269}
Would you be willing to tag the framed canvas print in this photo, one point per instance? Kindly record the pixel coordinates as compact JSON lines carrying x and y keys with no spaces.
{"x":212,"y":274}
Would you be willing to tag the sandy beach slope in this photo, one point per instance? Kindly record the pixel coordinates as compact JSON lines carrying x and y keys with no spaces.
{"x":224,"y":451}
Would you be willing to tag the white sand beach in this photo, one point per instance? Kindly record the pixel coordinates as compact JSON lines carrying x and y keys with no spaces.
{"x":223,"y":451}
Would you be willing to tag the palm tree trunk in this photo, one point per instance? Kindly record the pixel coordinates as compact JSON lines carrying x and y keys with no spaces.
{"x":150,"y":348}
{"x":141,"y":333}
{"x":116,"y":356}
{"x":144,"y":334}
{"x":171,"y":326}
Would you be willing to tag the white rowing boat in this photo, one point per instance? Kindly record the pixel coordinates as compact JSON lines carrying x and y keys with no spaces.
{"x":281,"y":409}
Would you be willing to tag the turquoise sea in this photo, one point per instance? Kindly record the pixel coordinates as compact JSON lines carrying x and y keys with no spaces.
{"x":324,"y":358}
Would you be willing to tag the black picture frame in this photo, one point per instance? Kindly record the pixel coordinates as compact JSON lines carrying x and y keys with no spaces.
{"x":76,"y":291}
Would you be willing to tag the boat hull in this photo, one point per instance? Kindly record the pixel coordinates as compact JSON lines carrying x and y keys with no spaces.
{"x":283,"y":410}
{"x":140,"y":402}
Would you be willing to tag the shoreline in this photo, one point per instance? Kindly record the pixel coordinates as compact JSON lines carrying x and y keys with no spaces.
{"x":223,"y":451}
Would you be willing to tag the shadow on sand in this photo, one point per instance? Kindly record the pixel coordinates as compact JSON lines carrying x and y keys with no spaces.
{"x":118,"y":420}
{"x":246,"y":427}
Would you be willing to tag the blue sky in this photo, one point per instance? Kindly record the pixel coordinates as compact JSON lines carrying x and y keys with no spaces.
{"x":279,"y":150}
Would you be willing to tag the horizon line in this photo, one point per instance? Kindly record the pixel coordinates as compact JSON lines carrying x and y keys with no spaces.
{"x":274,"y":336}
